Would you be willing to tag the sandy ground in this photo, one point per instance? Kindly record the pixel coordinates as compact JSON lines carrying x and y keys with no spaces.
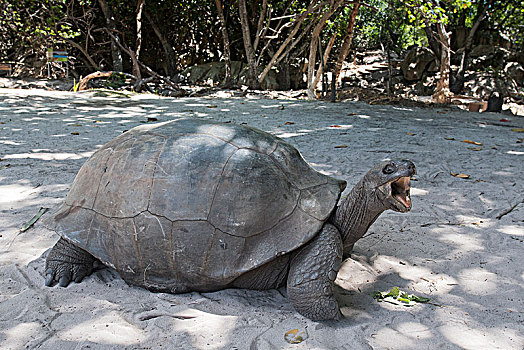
{"x":461,"y":245}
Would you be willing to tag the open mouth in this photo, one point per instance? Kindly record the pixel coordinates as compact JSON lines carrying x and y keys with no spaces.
{"x":400,"y":189}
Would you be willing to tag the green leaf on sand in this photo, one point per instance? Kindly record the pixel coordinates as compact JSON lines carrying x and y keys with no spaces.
{"x":398,"y":297}
{"x":35,"y":218}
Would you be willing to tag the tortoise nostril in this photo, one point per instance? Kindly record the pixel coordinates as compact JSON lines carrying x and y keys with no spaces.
{"x":410,"y":166}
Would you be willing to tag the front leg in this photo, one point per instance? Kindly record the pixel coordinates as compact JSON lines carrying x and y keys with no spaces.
{"x":66,"y":262}
{"x":312,"y":274}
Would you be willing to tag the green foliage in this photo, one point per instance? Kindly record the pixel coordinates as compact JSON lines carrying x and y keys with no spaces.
{"x":507,"y":17}
{"x":407,"y":19}
{"x":28,"y":27}
{"x":191,"y":27}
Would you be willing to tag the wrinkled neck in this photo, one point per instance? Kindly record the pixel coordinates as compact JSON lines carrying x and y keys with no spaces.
{"x":355,"y":215}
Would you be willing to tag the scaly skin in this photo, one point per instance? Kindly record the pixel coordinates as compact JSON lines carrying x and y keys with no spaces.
{"x":355,"y":215}
{"x":268,"y":276}
{"x":66,"y":262}
{"x":367,"y":200}
{"x":312,"y":273}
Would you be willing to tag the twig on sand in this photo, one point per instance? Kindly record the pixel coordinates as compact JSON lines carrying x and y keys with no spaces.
{"x":443,"y":223}
{"x":509,"y":210}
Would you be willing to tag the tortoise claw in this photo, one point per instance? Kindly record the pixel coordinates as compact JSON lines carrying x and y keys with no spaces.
{"x":64,"y":281}
{"x":49,"y":277}
{"x":79,"y":279}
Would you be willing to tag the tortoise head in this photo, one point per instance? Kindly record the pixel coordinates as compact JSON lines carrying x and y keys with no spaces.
{"x":391,"y":182}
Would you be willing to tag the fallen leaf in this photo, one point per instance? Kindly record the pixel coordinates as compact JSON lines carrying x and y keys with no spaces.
{"x":341,"y":146}
{"x":294,"y":336}
{"x":419,"y":299}
{"x":75,"y":133}
{"x":34,"y":219}
{"x":183,"y":317}
{"x":334,"y":126}
{"x":289,"y":123}
{"x":214,"y":106}
{"x":151,"y":119}
{"x":394,"y":292}
{"x":518,"y":129}
{"x":449,"y":138}
{"x":459,"y":175}
{"x":398,"y":297}
{"x":76,"y":124}
{"x":97,"y":121}
{"x":473,"y":142}
{"x":504,"y":120}
{"x":475,"y":148}
{"x":352,"y":114}
{"x":411,"y":134}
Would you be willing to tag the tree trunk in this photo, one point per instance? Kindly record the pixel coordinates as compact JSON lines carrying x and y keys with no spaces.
{"x":115,"y":41}
{"x":134,"y":62}
{"x":433,"y":42}
{"x":168,"y":49}
{"x":278,"y":55}
{"x":327,"y":51}
{"x":457,"y":80}
{"x":258,"y":34}
{"x":442,"y":93}
{"x":348,"y":39}
{"x":314,"y":46}
{"x":138,"y":46}
{"x":250,"y":53}
{"x":139,"y":12}
{"x":127,"y":50}
{"x":228,"y":79}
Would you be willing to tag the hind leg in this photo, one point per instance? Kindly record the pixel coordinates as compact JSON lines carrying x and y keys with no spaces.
{"x":66,"y":262}
{"x":312,"y":273}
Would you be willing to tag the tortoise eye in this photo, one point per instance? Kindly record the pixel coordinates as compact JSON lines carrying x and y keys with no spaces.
{"x":389,"y":169}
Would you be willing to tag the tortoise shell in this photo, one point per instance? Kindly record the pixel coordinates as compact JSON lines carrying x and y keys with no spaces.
{"x":191,"y":205}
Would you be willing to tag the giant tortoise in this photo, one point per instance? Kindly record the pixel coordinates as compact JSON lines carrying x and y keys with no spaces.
{"x":192,"y":205}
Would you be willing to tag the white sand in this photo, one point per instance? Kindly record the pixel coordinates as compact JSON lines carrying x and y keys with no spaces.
{"x":451,"y":247}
